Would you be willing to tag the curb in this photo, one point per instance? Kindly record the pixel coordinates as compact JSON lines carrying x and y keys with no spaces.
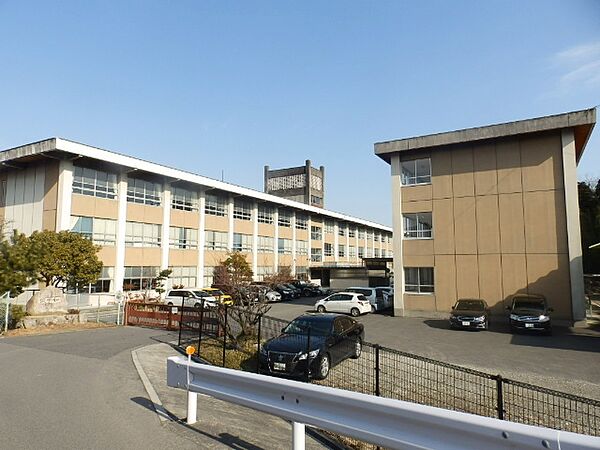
{"x":161,"y":412}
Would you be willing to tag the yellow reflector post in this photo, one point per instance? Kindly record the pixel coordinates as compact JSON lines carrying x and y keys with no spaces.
{"x":190,"y":350}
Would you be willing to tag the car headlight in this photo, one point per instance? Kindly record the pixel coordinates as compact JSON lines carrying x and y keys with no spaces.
{"x":544,"y":318}
{"x":312,"y":354}
{"x":479,"y":319}
{"x":263,"y":350}
{"x":514,"y":317}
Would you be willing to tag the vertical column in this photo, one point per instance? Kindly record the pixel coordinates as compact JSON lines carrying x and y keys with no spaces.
{"x":121,"y":226}
{"x":255,"y":239}
{"x":230,"y":223}
{"x":309,"y":244}
{"x":164,"y":242}
{"x":573,"y":226}
{"x":398,"y":268}
{"x":356,"y":244}
{"x":201,"y":239}
{"x":336,"y":241}
{"x":276,"y":240}
{"x":65,"y":189}
{"x":347,"y":242}
{"x":294,"y":243}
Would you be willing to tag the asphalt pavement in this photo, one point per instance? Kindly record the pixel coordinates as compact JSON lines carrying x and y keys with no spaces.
{"x":567,"y":361}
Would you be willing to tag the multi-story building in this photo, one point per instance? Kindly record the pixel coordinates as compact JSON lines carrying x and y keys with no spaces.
{"x":303,"y":184}
{"x":148,"y":217}
{"x":487,"y":213}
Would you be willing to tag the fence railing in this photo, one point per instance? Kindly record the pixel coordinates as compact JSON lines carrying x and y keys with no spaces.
{"x":232,"y":337}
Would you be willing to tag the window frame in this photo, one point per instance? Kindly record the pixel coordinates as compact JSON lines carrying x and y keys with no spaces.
{"x":404,"y":177}
{"x":419,"y":286}
{"x":418,"y":234}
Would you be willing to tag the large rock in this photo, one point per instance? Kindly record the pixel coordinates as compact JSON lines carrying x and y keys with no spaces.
{"x":47,"y":301}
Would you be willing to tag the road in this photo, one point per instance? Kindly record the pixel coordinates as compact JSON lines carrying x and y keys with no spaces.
{"x":564,"y":361}
{"x":79,"y":390}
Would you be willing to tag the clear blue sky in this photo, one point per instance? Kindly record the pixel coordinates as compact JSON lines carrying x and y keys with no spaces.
{"x":208,"y":86}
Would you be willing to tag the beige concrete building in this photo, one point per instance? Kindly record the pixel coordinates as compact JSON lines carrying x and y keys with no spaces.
{"x":489,"y":212}
{"x":148,"y":217}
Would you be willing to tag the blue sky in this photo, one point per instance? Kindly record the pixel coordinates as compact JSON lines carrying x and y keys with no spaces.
{"x":212,"y":86}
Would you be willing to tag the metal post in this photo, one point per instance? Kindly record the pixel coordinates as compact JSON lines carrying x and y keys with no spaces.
{"x":98,"y":311}
{"x":200,"y":327}
{"x":377,"y":370}
{"x":118,"y":313}
{"x":225,"y":334}
{"x":6,"y":312}
{"x":307,"y":374}
{"x":298,"y":436}
{"x":258,"y":344}
{"x":181,"y":320}
{"x":192,"y":400}
{"x":500,"y":398}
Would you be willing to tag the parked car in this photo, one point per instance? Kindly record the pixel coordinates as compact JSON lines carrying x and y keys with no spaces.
{"x":375,"y":295}
{"x":262,"y":290}
{"x":308,"y":289}
{"x":190,"y":297}
{"x":285,"y":292}
{"x":296,"y":293}
{"x":473,"y":314}
{"x":344,"y":302}
{"x":530,"y":312}
{"x":223,"y":298}
{"x":333,"y":338}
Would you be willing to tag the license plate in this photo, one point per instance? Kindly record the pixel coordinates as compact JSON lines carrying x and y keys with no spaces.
{"x":529,"y":325}
{"x":466,"y":324}
{"x":278,"y":366}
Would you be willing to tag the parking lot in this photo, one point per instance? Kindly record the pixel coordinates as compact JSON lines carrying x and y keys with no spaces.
{"x":566,"y":361}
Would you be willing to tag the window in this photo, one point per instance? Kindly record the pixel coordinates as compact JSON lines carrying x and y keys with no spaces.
{"x":316,"y":255}
{"x":316,"y":233}
{"x":376,"y":237}
{"x":144,"y":192}
{"x":351,"y":232}
{"x":94,"y":182}
{"x":417,"y":226}
{"x":302,"y":272}
{"x":328,"y":249}
{"x":3,"y":184}
{"x":341,"y":250}
{"x":328,"y":226}
{"x":361,"y":234}
{"x":265,"y":214}
{"x":418,"y":279}
{"x":301,"y":247}
{"x":301,"y":222}
{"x":139,"y":278}
{"x":284,"y":219}
{"x":284,"y":246}
{"x":215,"y":206}
{"x":99,"y":231}
{"x":368,"y":252}
{"x":186,"y":238}
{"x":139,"y":234}
{"x":104,"y":282}
{"x":215,"y":240}
{"x":242,"y":242}
{"x":242,"y":210}
{"x":262,"y":272}
{"x":361,"y":252}
{"x":183,"y":199}
{"x":317,"y":201}
{"x":377,"y":253}
{"x":342,"y":230}
{"x":265,"y":244}
{"x":352,"y":251}
{"x":209,"y":275}
{"x":416,"y":171}
{"x":183,"y":276}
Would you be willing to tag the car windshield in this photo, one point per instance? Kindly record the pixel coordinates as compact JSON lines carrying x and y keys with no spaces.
{"x":282,"y":286}
{"x":215,"y":292}
{"x":200,"y":294}
{"x":301,"y":326}
{"x":529,"y":303}
{"x":469,"y":305}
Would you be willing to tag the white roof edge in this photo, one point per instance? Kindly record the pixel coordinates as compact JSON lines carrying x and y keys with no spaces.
{"x":135,"y":163}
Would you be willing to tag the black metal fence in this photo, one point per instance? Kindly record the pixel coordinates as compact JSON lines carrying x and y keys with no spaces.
{"x":232,"y":337}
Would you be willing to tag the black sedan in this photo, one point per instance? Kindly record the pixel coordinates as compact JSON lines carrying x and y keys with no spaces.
{"x":472,"y":314}
{"x":311,"y":344}
{"x":530,"y":313}
{"x":286,"y":292}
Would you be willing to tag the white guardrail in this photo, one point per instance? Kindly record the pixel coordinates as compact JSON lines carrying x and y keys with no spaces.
{"x":381,"y":421}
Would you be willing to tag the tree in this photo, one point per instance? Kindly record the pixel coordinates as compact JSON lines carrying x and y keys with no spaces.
{"x":17,"y":264}
{"x":234,"y":276}
{"x":161,"y":279}
{"x":284,"y":275}
{"x":65,"y":258}
{"x":589,"y":217}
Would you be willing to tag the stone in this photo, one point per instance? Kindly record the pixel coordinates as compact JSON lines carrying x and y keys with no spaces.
{"x":48,"y":301}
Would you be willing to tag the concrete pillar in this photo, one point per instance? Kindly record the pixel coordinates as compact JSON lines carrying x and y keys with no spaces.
{"x":573,"y":226}
{"x":276,"y":241}
{"x":230,"y":223}
{"x":164,"y":240}
{"x":121,"y":225}
{"x":309,"y":244}
{"x":255,"y":238}
{"x":336,"y":241}
{"x":396,"y":171}
{"x":294,"y":243}
{"x":356,"y":244}
{"x":348,"y":242}
{"x":201,"y":239}
{"x":65,"y":192}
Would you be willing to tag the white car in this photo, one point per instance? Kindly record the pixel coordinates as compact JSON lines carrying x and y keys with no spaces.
{"x":344,"y":302}
{"x":190,"y":297}
{"x":377,"y":296}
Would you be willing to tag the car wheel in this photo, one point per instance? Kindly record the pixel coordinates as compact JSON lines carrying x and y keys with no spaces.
{"x":197,"y":305}
{"x":170,"y":304}
{"x":354,"y":312}
{"x":324,"y":366}
{"x":357,"y":349}
{"x":321,"y":309}
{"x":373,"y":309}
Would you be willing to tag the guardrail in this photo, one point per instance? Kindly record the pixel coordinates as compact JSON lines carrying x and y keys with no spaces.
{"x":380,"y":421}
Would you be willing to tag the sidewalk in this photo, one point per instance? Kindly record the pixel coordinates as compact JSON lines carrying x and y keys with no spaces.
{"x":220,"y":424}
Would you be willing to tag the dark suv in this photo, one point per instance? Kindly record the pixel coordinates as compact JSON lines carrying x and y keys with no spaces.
{"x":472,"y":314}
{"x":530,"y":313}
